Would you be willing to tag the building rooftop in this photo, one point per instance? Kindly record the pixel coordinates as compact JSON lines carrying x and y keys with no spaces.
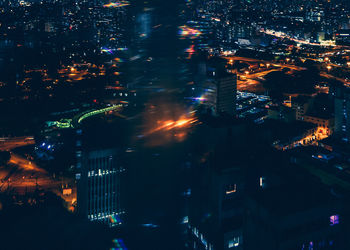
{"x":282,"y":131}
{"x":294,"y":197}
{"x":300,"y":99}
{"x":320,"y":115}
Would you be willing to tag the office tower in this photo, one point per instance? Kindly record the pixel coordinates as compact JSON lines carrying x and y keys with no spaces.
{"x":342,"y":112}
{"x":226,"y":93}
{"x":99,"y":186}
{"x":216,"y":204}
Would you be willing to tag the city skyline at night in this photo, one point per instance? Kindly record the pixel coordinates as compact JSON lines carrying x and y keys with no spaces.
{"x":180,"y":124}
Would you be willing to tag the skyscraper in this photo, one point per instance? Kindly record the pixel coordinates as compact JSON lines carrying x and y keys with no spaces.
{"x":99,"y":186}
{"x":342,"y":112}
{"x":226,"y":93}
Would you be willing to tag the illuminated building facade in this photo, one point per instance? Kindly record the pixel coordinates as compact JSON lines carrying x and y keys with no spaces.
{"x":99,"y":186}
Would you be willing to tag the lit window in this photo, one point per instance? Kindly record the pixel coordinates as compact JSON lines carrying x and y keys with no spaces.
{"x":334,"y":219}
{"x":185,"y":220}
{"x":261,"y":181}
{"x":232,"y":188}
{"x":233,"y":242}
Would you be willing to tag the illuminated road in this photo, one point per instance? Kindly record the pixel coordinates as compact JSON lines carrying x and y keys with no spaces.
{"x":328,"y":76}
{"x":23,"y":175}
{"x":251,"y":61}
{"x":283,"y":35}
{"x":251,"y":81}
{"x":25,"y":164}
{"x":7,"y":144}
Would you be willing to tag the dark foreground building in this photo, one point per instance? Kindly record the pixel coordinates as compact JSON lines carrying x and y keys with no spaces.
{"x":99,"y":186}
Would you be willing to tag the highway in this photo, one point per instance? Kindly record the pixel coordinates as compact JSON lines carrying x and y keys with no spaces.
{"x":25,"y":164}
{"x":23,"y":175}
{"x":251,"y":81}
{"x":9,"y":143}
{"x":283,"y":35}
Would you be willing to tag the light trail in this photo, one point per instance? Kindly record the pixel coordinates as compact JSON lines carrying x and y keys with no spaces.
{"x":25,"y":164}
{"x":117,"y":4}
{"x":99,"y":111}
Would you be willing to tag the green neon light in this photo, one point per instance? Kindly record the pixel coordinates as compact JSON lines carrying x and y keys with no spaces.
{"x":96,"y":112}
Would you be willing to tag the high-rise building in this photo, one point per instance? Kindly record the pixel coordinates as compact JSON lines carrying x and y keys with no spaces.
{"x":342,"y":113}
{"x":217,"y":223}
{"x":99,"y":186}
{"x":216,"y":204}
{"x":226,"y":93}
